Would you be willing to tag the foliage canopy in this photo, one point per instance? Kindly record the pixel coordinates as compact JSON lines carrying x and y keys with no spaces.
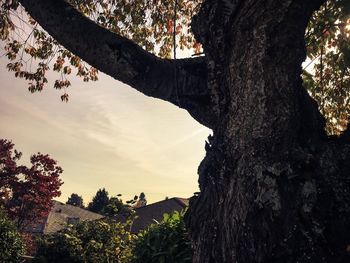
{"x":26,"y":192}
{"x":151,"y":25}
{"x":327,"y":76}
{"x":109,"y":241}
{"x":89,"y":241}
{"x":75,"y":200}
{"x":99,"y":201}
{"x":164,"y":242}
{"x":110,"y":206}
{"x":11,"y":244}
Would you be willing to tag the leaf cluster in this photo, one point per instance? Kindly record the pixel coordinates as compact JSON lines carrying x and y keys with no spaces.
{"x":166,"y":242}
{"x":11,"y":245}
{"x":327,"y":76}
{"x":75,"y":200}
{"x":111,"y":206}
{"x":110,"y":241}
{"x":26,"y":192}
{"x":89,"y":241}
{"x":148,"y":23}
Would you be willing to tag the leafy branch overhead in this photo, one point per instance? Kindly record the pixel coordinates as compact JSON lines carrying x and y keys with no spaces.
{"x":150,"y":24}
{"x":327,"y":76}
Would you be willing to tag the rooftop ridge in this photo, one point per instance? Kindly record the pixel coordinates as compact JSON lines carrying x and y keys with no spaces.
{"x":176,"y":199}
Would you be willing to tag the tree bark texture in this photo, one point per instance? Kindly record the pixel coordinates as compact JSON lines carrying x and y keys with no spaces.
{"x":273,"y":186}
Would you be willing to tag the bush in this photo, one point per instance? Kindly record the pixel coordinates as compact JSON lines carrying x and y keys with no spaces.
{"x":93,"y":241}
{"x":166,"y":242}
{"x":102,"y":242}
{"x":11,"y":244}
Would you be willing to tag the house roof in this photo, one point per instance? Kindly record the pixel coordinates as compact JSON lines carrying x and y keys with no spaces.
{"x":60,"y":215}
{"x":153,"y":213}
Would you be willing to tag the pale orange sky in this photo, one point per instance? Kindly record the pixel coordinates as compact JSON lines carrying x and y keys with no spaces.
{"x":107,"y":135}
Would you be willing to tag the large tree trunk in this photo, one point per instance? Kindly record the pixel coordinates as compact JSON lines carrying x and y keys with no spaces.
{"x":273,"y":186}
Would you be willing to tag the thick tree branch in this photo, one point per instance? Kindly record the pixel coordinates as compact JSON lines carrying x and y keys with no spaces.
{"x":181,"y":82}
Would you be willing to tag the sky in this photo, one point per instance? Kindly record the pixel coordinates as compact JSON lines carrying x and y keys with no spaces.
{"x":108,"y":135}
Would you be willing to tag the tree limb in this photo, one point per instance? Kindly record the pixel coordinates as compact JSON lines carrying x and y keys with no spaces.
{"x":181,"y":82}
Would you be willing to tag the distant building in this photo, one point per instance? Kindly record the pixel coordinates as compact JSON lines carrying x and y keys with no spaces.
{"x":62,"y":215}
{"x":153,"y":213}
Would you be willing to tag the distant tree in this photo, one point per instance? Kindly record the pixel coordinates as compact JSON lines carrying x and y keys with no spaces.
{"x":114,"y":206}
{"x":99,"y":201}
{"x":75,"y":200}
{"x":27,"y":192}
{"x":11,"y":244}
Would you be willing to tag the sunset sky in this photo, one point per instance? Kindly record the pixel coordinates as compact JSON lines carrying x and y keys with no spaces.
{"x":107,"y":135}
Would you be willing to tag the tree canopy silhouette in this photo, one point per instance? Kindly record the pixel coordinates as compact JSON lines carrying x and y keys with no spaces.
{"x":75,"y":200}
{"x":99,"y":202}
{"x":27,"y":192}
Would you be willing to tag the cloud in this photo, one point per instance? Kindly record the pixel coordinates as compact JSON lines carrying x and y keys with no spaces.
{"x":108,"y":135}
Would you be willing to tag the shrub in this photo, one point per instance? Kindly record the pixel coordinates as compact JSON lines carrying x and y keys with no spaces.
{"x":102,"y":241}
{"x":93,"y":241}
{"x":166,"y":242}
{"x":11,"y":244}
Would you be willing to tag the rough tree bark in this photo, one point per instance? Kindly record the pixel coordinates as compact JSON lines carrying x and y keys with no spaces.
{"x":274,"y":187}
